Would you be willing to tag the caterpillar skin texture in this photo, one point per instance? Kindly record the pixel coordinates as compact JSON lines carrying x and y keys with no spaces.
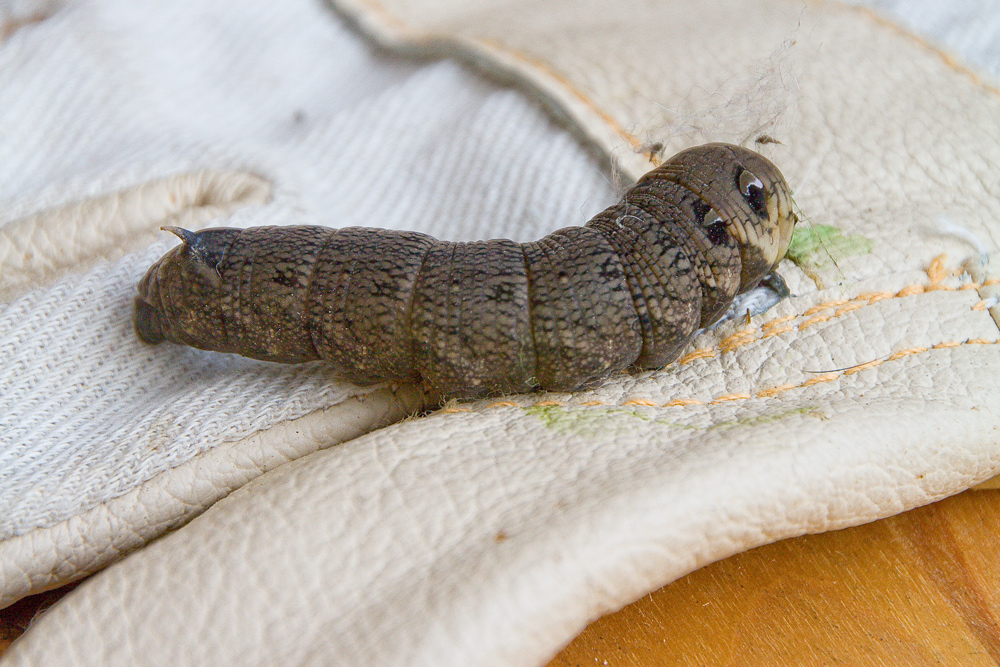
{"x":628,"y":290}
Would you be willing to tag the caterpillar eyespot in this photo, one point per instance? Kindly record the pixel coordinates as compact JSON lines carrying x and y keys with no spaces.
{"x":753,"y":191}
{"x":627,"y":290}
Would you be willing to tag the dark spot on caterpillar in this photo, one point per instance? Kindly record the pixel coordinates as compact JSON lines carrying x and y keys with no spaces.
{"x":700,"y":209}
{"x":717,"y":233}
{"x":628,"y":290}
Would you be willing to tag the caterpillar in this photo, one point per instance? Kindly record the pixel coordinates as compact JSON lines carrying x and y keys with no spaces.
{"x":626,"y":291}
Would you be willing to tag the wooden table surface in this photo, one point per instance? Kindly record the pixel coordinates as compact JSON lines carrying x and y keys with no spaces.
{"x":921,"y":588}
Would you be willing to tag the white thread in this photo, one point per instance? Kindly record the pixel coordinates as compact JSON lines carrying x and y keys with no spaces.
{"x":948,"y":227}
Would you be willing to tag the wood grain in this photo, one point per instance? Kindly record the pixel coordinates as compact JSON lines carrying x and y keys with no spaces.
{"x":921,"y":588}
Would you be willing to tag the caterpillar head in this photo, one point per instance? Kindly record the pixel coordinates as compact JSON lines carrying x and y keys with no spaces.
{"x":180,"y":294}
{"x":748,"y":193}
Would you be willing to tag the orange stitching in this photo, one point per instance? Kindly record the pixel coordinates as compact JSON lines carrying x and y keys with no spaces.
{"x":910,"y":290}
{"x":774,"y":323}
{"x":815,"y":309}
{"x":772,"y":328}
{"x":775,"y":390}
{"x":730,"y":397}
{"x":702,"y":353}
{"x":502,"y":404}
{"x":937,"y":271}
{"x":905,"y":353}
{"x":848,"y":308}
{"x":541,"y":65}
{"x":736,"y":340}
{"x":948,"y":60}
{"x":945,"y":57}
{"x":641,"y":401}
{"x":570,"y":88}
{"x":824,"y":306}
{"x":815,"y":320}
{"x":865,"y":366}
{"x":879,"y":296}
{"x":778,"y":331}
{"x":769,"y":329}
{"x":826,"y":377}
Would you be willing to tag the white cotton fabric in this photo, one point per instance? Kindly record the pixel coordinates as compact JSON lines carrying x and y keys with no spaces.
{"x":102,"y":96}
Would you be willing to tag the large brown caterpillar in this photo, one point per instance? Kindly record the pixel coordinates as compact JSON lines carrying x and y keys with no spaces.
{"x":629,"y":289}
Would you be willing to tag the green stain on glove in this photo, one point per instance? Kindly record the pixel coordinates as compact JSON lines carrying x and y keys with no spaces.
{"x":822,"y":246}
